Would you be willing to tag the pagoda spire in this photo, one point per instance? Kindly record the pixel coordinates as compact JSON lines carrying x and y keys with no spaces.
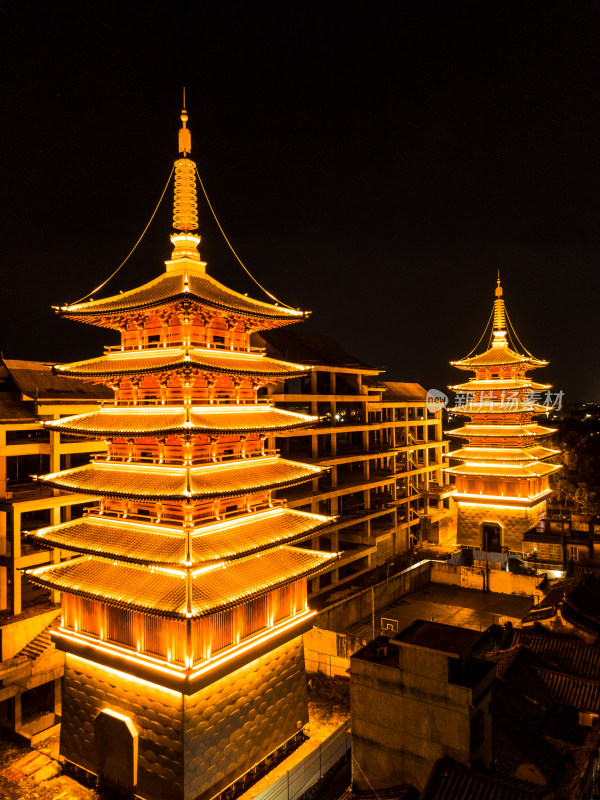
{"x":499,"y":317}
{"x":185,"y":205}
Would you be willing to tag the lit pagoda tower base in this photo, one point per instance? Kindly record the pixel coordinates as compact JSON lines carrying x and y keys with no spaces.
{"x":182,"y":616}
{"x":502,"y":480}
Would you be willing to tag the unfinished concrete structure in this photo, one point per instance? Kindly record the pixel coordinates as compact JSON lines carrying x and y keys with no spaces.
{"x":416,"y":698}
{"x":31,"y":667}
{"x":383,"y":450}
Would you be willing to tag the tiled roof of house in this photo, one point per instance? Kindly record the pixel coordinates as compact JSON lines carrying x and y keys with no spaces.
{"x":450,"y":780}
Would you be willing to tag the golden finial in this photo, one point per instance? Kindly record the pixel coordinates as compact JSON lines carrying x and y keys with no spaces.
{"x":499,"y":315}
{"x":185,"y":136}
{"x":185,"y":207}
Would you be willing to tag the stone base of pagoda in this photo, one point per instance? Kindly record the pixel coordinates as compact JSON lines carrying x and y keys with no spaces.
{"x":164,"y":745}
{"x":514,"y":522}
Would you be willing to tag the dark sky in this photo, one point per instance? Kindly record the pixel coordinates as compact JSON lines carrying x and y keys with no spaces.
{"x":375,"y":162}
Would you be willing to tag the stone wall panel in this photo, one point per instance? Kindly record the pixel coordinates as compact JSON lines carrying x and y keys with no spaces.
{"x":190,"y":747}
{"x":250,"y":713}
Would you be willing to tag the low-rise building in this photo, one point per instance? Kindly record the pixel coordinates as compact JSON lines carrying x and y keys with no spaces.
{"x":416,"y":698}
{"x":563,"y":537}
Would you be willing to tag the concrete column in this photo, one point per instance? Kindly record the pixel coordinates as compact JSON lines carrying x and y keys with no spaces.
{"x":17,"y":712}
{"x":2,"y":464}
{"x":55,"y":449}
{"x":57,"y":697}
{"x":3,"y":588}
{"x":335,"y":541}
{"x":16,"y":606}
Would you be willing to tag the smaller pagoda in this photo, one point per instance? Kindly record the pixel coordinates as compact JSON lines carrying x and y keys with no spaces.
{"x":502,"y":477}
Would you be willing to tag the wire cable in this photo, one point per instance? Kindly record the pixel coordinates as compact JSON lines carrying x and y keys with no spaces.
{"x":122,"y":264}
{"x":365,"y":777}
{"x":244,"y":267}
{"x":517,"y":338}
{"x":481,"y":337}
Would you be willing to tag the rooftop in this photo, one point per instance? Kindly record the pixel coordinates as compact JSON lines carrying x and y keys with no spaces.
{"x":451,"y":605}
{"x":439,"y":636}
{"x":311,"y":348}
{"x":21,"y":381}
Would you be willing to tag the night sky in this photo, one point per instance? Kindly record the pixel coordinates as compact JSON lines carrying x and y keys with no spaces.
{"x":376,"y":162}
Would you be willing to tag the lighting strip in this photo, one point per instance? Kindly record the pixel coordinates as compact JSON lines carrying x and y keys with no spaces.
{"x":174,"y":670}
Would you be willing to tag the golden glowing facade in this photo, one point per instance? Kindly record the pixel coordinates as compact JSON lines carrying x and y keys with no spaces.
{"x":189,"y":585}
{"x":502,"y":478}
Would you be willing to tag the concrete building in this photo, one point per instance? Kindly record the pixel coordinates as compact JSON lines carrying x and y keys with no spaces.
{"x":416,"y":698}
{"x":31,"y":668}
{"x":561,"y":538}
{"x":383,"y":450}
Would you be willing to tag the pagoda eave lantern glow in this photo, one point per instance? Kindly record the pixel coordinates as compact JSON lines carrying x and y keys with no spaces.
{"x":501,"y":480}
{"x":183,"y":608}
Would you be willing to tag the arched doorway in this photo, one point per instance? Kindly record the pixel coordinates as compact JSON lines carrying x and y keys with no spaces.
{"x":491,"y":537}
{"x":116,"y":744}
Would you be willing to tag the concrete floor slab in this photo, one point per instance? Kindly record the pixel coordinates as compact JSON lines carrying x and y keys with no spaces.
{"x":468,"y":608}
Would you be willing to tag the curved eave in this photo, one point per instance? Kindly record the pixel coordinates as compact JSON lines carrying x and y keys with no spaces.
{"x":499,"y":385}
{"x":499,"y":357}
{"x":493,"y":471}
{"x":497,"y":432}
{"x":238,"y":478}
{"x":129,"y":423}
{"x":146,"y":362}
{"x":504,"y":409}
{"x":501,"y":454}
{"x":176,"y":287}
{"x":129,"y":542}
{"x":216,"y":589}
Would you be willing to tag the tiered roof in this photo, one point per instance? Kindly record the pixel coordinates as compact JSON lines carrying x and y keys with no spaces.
{"x":169,"y":359}
{"x":215,"y":588}
{"x":139,"y":543}
{"x":194,"y":420}
{"x":208,"y":555}
{"x":500,"y":401}
{"x":168,"y":290}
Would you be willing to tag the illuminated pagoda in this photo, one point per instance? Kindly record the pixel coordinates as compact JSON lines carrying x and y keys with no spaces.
{"x":183,"y":611}
{"x":502,"y":480}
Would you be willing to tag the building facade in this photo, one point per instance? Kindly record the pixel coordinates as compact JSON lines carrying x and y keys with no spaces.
{"x":31,"y":667}
{"x":421,"y":696}
{"x":502,"y":478}
{"x":383,"y":451}
{"x":182,"y":618}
